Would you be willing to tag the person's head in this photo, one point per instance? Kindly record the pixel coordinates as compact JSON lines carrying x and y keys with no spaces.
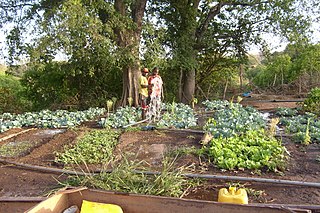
{"x":155,"y":71}
{"x":144,"y":71}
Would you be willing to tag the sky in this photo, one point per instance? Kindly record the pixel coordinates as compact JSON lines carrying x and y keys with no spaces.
{"x":275,"y":43}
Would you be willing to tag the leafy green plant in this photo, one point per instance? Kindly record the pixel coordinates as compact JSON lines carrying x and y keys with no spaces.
{"x":216,"y":104}
{"x":305,"y":128}
{"x":283,"y":111}
{"x":48,"y":119}
{"x":122,"y":117}
{"x":177,"y":115}
{"x":232,"y":119}
{"x":95,"y":147}
{"x":252,"y":150}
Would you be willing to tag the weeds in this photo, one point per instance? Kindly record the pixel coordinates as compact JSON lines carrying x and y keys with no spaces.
{"x":125,"y":178}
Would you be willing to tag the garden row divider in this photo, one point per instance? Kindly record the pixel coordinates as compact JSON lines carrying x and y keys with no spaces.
{"x":15,"y":134}
{"x":203,"y":176}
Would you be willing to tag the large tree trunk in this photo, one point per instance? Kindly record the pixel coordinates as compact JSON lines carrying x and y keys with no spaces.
{"x":188,"y":86}
{"x":130,"y":94}
{"x":130,"y":39}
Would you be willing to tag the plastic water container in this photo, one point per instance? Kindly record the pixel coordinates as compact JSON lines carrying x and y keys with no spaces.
{"x":233,"y":196}
{"x":95,"y":207}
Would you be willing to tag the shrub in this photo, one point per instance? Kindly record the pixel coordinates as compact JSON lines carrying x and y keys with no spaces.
{"x":312,"y":103}
{"x":11,"y":95}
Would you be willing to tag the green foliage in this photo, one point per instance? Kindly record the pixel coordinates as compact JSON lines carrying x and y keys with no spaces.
{"x":306,"y":61}
{"x":285,"y":112}
{"x":298,"y":61}
{"x":275,"y":73}
{"x":77,"y":31}
{"x":122,"y":117}
{"x":216,"y":104}
{"x":305,"y":128}
{"x":215,"y":74}
{"x":251,"y":150}
{"x":48,"y":119}
{"x":312,"y":102}
{"x":11,"y":95}
{"x":154,"y":52}
{"x":232,"y":119}
{"x":60,"y":84}
{"x":177,"y":115}
{"x":100,"y":41}
{"x":46,"y":85}
{"x":95,"y":147}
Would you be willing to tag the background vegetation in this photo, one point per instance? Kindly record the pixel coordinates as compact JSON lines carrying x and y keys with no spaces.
{"x":201,"y":48}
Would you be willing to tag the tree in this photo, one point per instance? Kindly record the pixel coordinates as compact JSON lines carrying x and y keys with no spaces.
{"x":101,"y":37}
{"x":95,"y":36}
{"x":197,"y":28}
{"x":128,"y":38}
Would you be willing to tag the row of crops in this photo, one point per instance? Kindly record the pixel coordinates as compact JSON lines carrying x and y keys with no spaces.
{"x":176,"y":115}
{"x":48,"y":119}
{"x":242,"y":136}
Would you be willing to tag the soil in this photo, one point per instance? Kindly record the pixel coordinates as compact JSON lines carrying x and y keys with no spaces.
{"x":150,"y":148}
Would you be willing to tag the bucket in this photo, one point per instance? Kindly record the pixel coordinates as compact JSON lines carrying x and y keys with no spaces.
{"x":233,"y":196}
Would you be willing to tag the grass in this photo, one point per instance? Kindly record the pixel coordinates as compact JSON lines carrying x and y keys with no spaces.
{"x":123,"y":178}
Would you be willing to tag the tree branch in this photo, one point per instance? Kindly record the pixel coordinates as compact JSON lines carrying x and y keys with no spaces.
{"x":212,"y":13}
{"x":215,"y":10}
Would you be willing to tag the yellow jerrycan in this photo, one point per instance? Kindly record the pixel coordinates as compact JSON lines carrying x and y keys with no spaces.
{"x":95,"y":207}
{"x":233,"y":196}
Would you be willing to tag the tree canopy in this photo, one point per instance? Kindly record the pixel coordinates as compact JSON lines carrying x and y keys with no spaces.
{"x":107,"y":42}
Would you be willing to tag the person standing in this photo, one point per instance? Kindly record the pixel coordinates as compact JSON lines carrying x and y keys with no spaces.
{"x":143,"y":92}
{"x":155,"y":93}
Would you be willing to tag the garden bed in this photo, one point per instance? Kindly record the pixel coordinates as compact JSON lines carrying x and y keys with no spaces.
{"x":150,"y":147}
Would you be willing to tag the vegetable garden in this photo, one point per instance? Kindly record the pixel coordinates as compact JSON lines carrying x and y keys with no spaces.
{"x":109,"y":150}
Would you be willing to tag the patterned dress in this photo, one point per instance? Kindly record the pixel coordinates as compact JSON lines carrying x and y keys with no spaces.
{"x":155,"y":97}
